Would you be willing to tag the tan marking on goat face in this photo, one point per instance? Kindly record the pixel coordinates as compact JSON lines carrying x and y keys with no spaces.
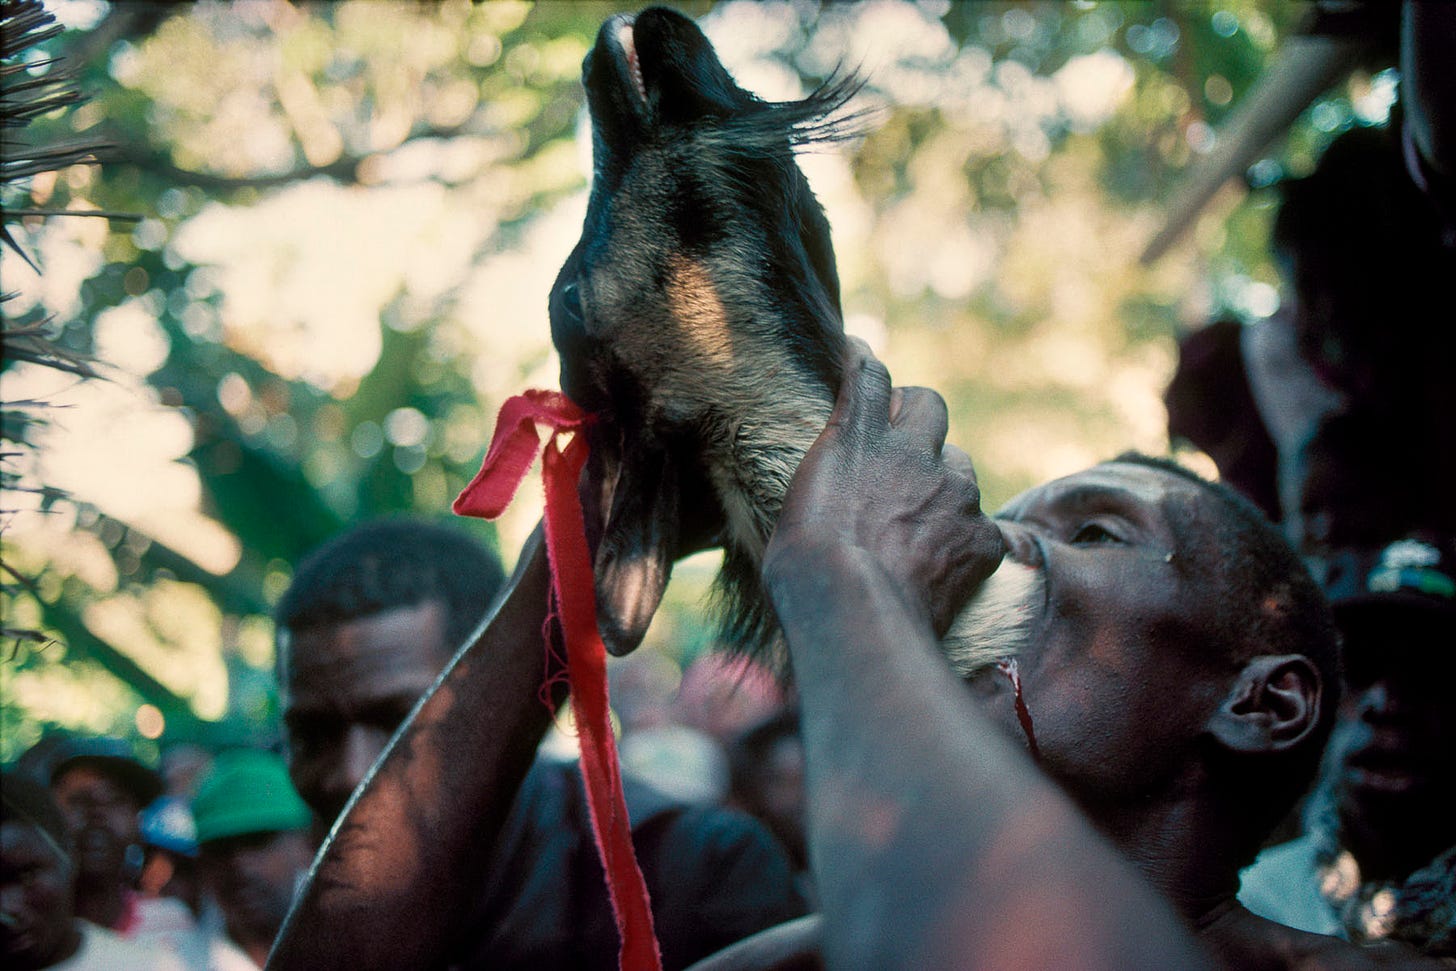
{"x":694,"y":303}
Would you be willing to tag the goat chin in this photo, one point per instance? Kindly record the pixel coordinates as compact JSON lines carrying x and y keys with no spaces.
{"x":996,"y":623}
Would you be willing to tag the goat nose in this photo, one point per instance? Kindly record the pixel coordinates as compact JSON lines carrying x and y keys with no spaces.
{"x":571,"y":302}
{"x":1021,"y":545}
{"x":565,"y":306}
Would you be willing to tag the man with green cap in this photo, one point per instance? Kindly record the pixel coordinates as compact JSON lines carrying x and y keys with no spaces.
{"x":253,"y":844}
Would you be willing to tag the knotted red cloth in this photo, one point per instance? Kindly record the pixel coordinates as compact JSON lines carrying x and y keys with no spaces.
{"x":513,"y":449}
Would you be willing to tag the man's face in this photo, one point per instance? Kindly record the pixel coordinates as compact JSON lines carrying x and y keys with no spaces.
{"x":102,"y":815}
{"x":1397,"y":724}
{"x":346,"y":688}
{"x":1113,"y":673}
{"x":37,"y":897}
{"x":253,"y":879}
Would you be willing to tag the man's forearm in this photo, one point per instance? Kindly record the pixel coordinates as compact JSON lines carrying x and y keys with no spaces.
{"x":935,"y":842}
{"x":404,"y":863}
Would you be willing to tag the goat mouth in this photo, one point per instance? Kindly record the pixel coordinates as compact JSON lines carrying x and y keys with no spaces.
{"x":628,"y":42}
{"x":621,"y":41}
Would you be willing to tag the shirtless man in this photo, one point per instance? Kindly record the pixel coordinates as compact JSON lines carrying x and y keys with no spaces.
{"x":1177,"y":666}
{"x":369,"y":622}
{"x":1178,"y":669}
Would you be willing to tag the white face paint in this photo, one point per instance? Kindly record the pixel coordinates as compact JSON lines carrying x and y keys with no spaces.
{"x":997,"y":621}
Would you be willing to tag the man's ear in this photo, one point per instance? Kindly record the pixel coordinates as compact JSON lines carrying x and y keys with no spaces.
{"x":1272,"y":707}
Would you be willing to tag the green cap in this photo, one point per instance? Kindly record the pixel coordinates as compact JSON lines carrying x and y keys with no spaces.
{"x":246,"y":792}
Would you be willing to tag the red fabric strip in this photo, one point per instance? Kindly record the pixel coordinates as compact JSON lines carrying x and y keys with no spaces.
{"x":512,"y":449}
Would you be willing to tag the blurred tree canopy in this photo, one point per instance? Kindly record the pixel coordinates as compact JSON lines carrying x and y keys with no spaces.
{"x":353,"y":213}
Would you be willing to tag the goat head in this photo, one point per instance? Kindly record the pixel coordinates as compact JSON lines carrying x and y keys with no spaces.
{"x":698,"y":317}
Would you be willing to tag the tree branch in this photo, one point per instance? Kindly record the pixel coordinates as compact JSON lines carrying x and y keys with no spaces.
{"x":124,"y":151}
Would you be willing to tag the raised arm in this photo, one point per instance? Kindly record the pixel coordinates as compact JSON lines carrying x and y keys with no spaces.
{"x":398,"y":873}
{"x":935,"y":841}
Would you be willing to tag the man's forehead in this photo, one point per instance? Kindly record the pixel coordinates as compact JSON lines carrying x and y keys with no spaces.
{"x":87,"y":775}
{"x":1130,"y":482}
{"x":404,"y":645}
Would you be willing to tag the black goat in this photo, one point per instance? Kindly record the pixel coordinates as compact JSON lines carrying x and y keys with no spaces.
{"x":698,"y":317}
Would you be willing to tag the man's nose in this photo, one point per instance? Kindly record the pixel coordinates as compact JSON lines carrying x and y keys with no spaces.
{"x":82,"y":812}
{"x":362,"y":745}
{"x":1381,"y":700}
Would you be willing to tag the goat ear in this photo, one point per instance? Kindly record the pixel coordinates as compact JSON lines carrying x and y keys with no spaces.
{"x":635,"y":554}
{"x":1272,"y":707}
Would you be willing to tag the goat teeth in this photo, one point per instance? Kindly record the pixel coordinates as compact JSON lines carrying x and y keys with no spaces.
{"x":634,"y":67}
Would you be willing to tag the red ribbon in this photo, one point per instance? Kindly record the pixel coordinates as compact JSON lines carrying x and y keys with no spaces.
{"x":513,"y":449}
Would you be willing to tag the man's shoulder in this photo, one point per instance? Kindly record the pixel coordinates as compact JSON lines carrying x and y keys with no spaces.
{"x":715,"y":876}
{"x":1319,"y":952}
{"x":1242,"y":939}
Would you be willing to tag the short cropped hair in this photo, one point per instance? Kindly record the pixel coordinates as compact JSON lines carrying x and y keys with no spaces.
{"x":391,"y":563}
{"x":1276,"y":607}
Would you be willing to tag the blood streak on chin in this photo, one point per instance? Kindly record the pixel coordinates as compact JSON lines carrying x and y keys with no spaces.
{"x":1008,"y":667}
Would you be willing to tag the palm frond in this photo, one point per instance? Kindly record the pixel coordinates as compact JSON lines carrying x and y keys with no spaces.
{"x":32,"y":85}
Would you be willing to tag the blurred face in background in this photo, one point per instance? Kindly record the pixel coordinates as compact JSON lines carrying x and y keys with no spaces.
{"x":102,"y":816}
{"x":1396,"y":778}
{"x":37,"y":898}
{"x":346,"y":688}
{"x":782,"y":795}
{"x":253,"y":878}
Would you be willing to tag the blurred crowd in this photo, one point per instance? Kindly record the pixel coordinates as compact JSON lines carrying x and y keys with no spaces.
{"x":112,"y":863}
{"x":108,"y":861}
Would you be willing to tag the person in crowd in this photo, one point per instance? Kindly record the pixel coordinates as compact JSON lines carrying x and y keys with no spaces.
{"x":169,"y":846}
{"x":1176,"y":676}
{"x":101,"y":787}
{"x":170,"y":885}
{"x":254,"y":845}
{"x":39,"y":927}
{"x":656,"y":747}
{"x":1377,"y":859}
{"x":368,"y":624}
{"x":1336,"y":403}
{"x":766,"y":772}
{"x":723,"y":694}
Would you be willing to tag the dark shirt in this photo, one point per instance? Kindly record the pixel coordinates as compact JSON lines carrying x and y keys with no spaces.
{"x":715,"y":876}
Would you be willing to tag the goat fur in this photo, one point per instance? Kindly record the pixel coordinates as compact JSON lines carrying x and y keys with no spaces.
{"x":699,"y":319}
